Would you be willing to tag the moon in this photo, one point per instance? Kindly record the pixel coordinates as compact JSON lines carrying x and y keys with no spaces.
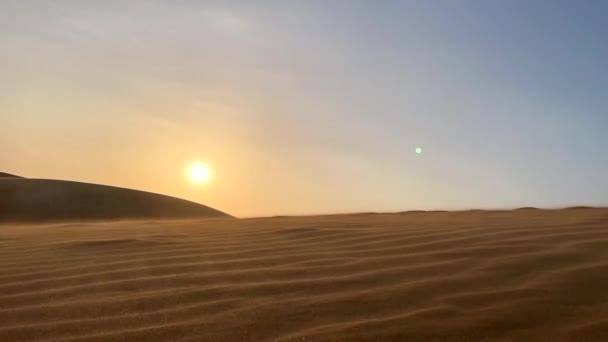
{"x":200,"y":173}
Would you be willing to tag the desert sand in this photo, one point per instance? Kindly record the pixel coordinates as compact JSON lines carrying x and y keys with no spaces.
{"x":37,"y":200}
{"x":522,"y":275}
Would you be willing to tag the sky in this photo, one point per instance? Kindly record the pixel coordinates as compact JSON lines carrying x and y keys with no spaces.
{"x":308,"y":107}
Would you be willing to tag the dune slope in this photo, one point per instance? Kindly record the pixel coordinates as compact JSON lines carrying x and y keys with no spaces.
{"x":527,"y":275}
{"x":8,"y":175}
{"x":36,"y":200}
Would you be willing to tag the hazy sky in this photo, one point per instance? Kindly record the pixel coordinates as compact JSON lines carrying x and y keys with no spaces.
{"x":305,"y":107}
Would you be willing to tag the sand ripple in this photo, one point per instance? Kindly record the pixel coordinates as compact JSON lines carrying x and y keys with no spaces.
{"x":523,"y":275}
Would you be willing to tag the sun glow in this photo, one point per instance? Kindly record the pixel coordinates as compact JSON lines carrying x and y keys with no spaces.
{"x":199,"y":173}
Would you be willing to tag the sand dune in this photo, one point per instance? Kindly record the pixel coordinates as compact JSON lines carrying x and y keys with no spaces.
{"x":524,"y":275}
{"x":8,"y":175}
{"x":34,"y":200}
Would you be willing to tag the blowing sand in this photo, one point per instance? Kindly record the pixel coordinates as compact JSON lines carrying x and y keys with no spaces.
{"x":524,"y":275}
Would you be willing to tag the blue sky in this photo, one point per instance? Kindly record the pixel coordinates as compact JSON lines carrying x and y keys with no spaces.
{"x":305,"y":107}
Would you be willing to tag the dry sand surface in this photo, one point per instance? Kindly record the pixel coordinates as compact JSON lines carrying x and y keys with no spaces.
{"x":523,"y":275}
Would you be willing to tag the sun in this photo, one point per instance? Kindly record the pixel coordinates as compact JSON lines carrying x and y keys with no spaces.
{"x":199,"y":173}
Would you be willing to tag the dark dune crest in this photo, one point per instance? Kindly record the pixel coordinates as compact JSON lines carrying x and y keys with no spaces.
{"x":412,"y":212}
{"x":8,"y":175}
{"x":580,"y":207}
{"x":36,"y":200}
{"x":526,"y":209}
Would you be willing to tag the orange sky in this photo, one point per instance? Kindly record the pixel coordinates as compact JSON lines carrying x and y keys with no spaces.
{"x":310,"y":107}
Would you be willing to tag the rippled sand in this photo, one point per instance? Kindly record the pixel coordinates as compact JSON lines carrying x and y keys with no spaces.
{"x":523,"y":275}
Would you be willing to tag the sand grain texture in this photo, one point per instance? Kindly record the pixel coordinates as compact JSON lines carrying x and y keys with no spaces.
{"x":525,"y":275}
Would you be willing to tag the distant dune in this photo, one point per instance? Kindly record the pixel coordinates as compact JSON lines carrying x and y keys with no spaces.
{"x":7,"y":175}
{"x":34,"y":200}
{"x":522,"y":275}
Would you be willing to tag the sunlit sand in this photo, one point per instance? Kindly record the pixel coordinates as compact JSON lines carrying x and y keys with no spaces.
{"x":518,"y":275}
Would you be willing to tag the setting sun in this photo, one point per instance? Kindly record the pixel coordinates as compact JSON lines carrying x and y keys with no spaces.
{"x":199,"y":173}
